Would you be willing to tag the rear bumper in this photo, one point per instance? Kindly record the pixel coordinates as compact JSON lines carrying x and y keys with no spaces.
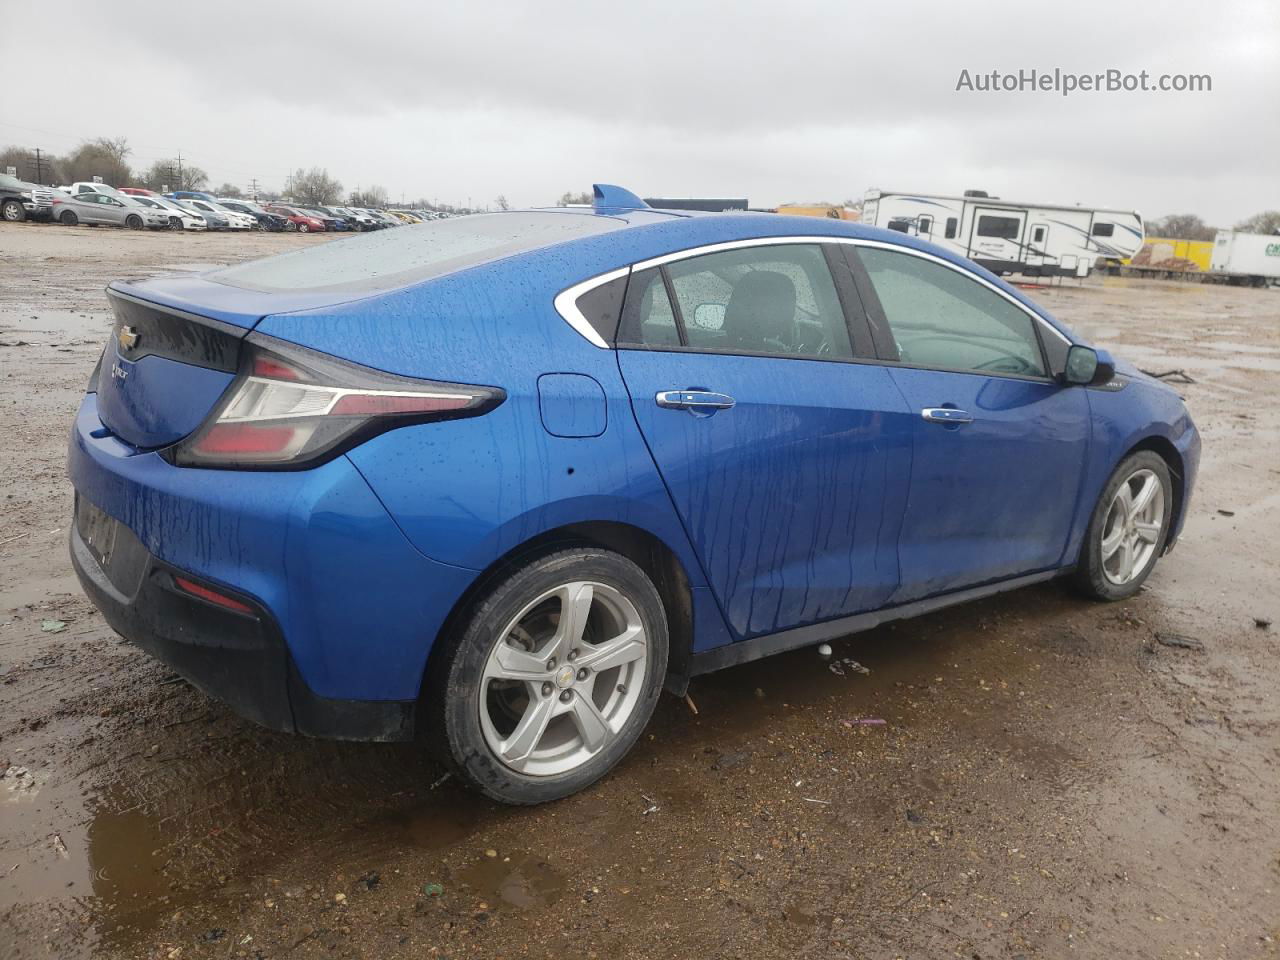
{"x":238,"y":658}
{"x":345,"y":608}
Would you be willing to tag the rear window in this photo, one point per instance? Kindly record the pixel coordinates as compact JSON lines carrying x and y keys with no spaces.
{"x":388,"y":259}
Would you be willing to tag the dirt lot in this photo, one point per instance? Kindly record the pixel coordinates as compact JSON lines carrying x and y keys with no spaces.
{"x":1051,"y":780}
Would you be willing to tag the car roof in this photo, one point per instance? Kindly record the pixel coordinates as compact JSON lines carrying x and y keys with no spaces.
{"x":554,"y":247}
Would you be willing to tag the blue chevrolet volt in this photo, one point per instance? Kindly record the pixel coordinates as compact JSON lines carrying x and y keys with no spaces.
{"x":497,"y":480}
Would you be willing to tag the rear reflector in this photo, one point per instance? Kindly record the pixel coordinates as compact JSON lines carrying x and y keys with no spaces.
{"x":213,"y":596}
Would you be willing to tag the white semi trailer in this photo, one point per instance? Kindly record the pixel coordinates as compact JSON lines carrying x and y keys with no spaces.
{"x":1246,"y":257}
{"x":1034,"y":239}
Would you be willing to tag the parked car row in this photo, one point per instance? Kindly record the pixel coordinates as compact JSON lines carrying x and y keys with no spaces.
{"x":138,"y":208}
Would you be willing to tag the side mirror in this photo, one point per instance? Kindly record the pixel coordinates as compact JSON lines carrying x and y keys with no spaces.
{"x":1088,"y":367}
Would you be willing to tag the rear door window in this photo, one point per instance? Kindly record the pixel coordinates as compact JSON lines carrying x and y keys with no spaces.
{"x":778,"y":300}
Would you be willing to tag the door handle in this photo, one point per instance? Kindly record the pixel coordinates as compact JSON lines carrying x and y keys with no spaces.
{"x":695,"y":400}
{"x":948,"y":415}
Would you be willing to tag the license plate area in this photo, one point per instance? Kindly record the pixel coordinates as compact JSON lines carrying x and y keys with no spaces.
{"x":98,"y":531}
{"x":114,"y":547}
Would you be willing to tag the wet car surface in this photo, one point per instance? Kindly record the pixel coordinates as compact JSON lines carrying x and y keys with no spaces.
{"x":1050,"y":776}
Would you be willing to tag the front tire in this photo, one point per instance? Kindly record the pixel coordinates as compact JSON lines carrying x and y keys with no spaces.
{"x":303,"y":228}
{"x":13,"y":211}
{"x":133,"y":222}
{"x":68,"y":218}
{"x":1128,"y":529}
{"x":551,"y":677}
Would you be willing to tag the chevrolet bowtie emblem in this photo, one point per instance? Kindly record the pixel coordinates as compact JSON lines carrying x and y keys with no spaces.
{"x":128,"y":338}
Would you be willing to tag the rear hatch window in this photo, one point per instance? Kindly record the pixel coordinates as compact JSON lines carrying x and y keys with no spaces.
{"x":393,"y":258}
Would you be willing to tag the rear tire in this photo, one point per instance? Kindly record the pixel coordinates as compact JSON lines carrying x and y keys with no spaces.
{"x":133,"y":222}
{"x":68,"y":218}
{"x":527,"y":706}
{"x":1127,"y":530}
{"x":13,"y":211}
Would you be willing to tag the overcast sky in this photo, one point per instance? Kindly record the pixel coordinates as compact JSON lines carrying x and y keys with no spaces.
{"x":774,"y":101}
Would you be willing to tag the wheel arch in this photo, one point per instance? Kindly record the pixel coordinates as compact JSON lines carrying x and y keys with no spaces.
{"x":648,"y":551}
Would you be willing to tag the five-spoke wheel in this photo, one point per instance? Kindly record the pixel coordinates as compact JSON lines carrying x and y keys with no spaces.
{"x":563,"y":678}
{"x":554,"y":677}
{"x":1128,"y":528}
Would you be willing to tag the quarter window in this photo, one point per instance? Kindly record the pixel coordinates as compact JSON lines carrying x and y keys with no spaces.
{"x":647,"y":317}
{"x":942,"y":319}
{"x":1002,"y":228}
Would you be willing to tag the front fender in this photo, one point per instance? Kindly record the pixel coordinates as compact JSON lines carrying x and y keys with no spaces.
{"x":1140,"y":413}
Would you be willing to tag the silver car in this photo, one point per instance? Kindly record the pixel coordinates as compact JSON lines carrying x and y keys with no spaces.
{"x":100,"y":208}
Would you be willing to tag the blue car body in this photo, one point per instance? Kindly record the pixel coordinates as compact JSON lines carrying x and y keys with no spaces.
{"x":821,"y":503}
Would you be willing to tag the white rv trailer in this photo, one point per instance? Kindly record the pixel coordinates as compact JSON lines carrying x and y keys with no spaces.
{"x":1035,"y":239}
{"x":1253,"y":257}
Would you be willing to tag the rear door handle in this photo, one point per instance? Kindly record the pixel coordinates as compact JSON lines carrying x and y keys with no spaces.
{"x":946,"y":415}
{"x":696,"y":400}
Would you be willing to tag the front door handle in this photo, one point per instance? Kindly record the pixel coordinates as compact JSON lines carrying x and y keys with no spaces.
{"x":694,"y":400}
{"x":949,"y":415}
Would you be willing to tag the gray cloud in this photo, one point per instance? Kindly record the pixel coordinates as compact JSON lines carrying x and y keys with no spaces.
{"x":773,"y":101}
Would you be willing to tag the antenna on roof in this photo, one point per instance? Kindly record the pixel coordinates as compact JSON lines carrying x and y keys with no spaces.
{"x":609,"y":198}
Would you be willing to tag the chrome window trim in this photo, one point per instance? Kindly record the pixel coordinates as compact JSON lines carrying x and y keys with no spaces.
{"x":566,"y":304}
{"x":566,"y":301}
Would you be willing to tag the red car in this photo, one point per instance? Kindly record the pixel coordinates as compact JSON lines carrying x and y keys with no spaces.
{"x":138,"y":192}
{"x":302,"y":222}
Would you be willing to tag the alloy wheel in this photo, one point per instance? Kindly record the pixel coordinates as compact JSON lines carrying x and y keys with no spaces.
{"x":563,"y":679}
{"x":1131,"y":532}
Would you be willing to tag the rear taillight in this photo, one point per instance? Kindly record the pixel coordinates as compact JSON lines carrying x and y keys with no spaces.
{"x":291,"y":408}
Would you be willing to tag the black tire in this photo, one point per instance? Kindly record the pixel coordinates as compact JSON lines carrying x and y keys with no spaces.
{"x":303,"y":228}
{"x":175,"y":223}
{"x":1091,"y":578}
{"x":133,"y":222}
{"x":451,"y":708}
{"x":68,"y":218}
{"x":13,"y":211}
{"x":290,"y":227}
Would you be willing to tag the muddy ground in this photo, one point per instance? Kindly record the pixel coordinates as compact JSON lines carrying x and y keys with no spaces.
{"x":1050,"y":780}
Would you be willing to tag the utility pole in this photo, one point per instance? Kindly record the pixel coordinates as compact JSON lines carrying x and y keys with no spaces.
{"x":40,"y":163}
{"x":253,"y":189}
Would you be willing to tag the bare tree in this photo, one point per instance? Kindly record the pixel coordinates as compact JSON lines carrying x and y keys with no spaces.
{"x":168,"y":173}
{"x":502,"y":202}
{"x":1267,"y":222}
{"x":229,"y":190}
{"x":315,"y":186}
{"x":374,"y":196}
{"x":23,"y":160}
{"x":573,"y":199}
{"x":1181,"y":226}
{"x":103,"y":157}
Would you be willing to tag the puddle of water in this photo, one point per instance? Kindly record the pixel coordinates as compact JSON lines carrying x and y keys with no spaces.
{"x":449,"y":819}
{"x":66,"y":322}
{"x":522,"y":881}
{"x":189,"y":267}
